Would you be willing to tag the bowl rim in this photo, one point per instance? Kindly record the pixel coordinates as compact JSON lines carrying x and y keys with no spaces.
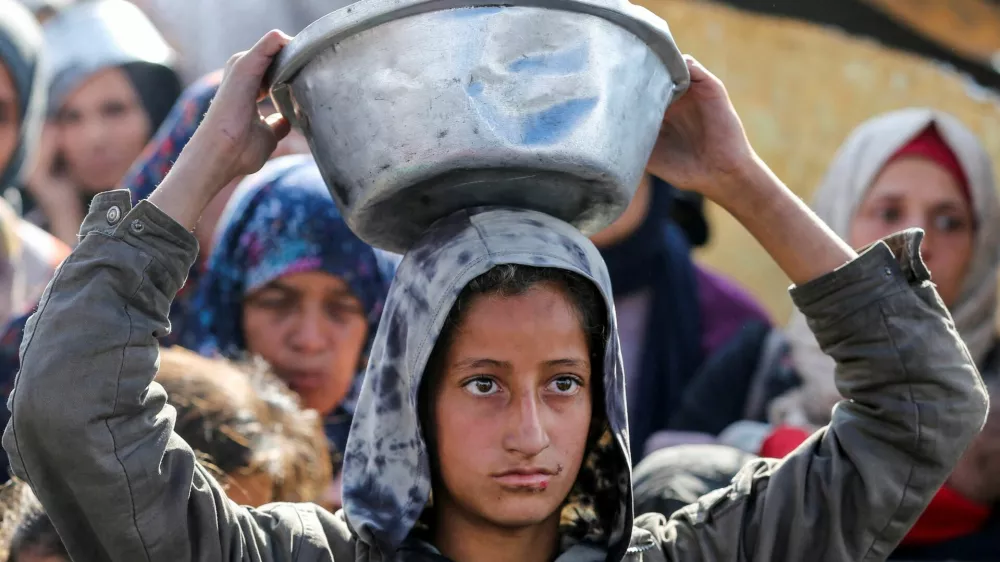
{"x":366,"y":14}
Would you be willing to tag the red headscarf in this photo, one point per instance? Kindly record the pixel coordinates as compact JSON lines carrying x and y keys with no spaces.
{"x":931,"y":146}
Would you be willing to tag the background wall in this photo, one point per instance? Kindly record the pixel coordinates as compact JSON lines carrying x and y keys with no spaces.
{"x":800,"y":89}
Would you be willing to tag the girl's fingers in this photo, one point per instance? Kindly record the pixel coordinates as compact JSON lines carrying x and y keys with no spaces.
{"x":279,"y":125}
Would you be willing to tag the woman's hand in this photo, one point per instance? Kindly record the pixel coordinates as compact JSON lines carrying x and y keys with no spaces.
{"x":55,"y":195}
{"x":233,"y":140}
{"x":702,"y":145}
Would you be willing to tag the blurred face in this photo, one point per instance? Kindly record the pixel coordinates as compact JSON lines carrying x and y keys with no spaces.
{"x":312,"y":331}
{"x":10,"y":122}
{"x":915,"y":192}
{"x":103,"y":128}
{"x":512,"y":409}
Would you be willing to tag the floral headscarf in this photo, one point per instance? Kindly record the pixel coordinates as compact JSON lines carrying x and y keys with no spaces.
{"x":280,"y":221}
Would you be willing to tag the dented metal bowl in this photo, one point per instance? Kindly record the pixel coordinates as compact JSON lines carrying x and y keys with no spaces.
{"x":417,"y":109}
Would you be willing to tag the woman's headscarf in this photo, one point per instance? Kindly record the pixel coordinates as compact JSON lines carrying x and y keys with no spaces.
{"x":858,"y":162}
{"x":21,"y":48}
{"x":171,"y":138}
{"x":88,"y":37}
{"x":281,"y":220}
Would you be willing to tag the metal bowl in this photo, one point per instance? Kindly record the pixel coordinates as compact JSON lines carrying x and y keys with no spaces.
{"x":415,"y":109}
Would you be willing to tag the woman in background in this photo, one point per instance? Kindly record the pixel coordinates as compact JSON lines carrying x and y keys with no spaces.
{"x":909,"y":168}
{"x":673,"y":313}
{"x":43,"y":252}
{"x":29,"y":255}
{"x":112,"y":85}
{"x":289,"y":282}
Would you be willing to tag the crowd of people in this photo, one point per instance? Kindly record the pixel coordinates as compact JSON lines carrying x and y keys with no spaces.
{"x":651,"y":407}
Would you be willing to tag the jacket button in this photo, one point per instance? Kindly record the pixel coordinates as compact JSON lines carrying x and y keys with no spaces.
{"x":114,"y":214}
{"x":137,"y":226}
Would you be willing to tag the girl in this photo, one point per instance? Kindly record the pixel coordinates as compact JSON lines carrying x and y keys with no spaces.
{"x":492,"y":421}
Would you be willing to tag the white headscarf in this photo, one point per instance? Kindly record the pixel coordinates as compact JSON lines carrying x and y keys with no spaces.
{"x":860,"y":159}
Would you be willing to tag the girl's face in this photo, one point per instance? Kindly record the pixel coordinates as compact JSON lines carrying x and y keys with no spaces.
{"x":916,"y":192}
{"x":103,"y":128}
{"x":10,"y":122}
{"x":511,"y":409}
{"x":312,"y":331}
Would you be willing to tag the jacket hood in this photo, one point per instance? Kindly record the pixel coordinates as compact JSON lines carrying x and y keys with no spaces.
{"x":21,"y":46}
{"x":387,"y":476}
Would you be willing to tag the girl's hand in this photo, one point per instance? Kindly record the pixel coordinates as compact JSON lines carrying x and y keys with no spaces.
{"x":232,"y":141}
{"x":702,"y":144}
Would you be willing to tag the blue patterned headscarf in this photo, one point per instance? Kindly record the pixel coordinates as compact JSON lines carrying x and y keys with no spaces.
{"x":172,"y":136}
{"x":280,"y":221}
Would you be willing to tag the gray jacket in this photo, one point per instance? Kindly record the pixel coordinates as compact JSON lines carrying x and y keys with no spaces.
{"x":92,"y":435}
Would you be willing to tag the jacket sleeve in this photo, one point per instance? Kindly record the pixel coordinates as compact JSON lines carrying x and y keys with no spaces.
{"x":913,"y":401}
{"x":90,"y":431}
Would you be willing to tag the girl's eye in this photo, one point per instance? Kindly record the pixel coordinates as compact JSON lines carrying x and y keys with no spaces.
{"x":567,"y":385}
{"x":69,"y":117}
{"x":482,"y":386}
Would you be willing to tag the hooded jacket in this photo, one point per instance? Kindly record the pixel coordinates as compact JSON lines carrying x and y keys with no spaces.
{"x":118,"y":484}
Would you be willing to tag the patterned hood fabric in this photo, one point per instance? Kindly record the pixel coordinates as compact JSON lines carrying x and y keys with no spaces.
{"x":387,"y":475}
